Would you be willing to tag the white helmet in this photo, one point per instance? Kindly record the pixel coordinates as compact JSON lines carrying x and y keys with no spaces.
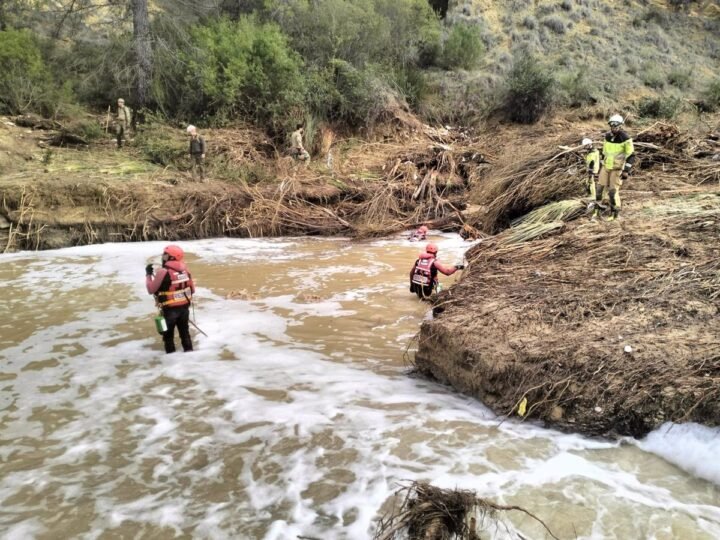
{"x":191,"y":129}
{"x":586,"y":141}
{"x":616,"y":119}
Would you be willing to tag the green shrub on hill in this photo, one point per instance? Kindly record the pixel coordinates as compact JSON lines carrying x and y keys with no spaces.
{"x":244,"y":68}
{"x":26,"y":83}
{"x":663,"y":107}
{"x":711,"y":96}
{"x":463,"y":47}
{"x":529,"y":90}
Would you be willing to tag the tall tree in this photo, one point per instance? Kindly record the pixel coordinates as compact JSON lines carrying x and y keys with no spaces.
{"x":143,"y":51}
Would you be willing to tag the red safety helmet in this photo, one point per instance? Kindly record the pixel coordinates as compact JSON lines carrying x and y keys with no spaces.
{"x":431,"y":248}
{"x":423,"y":229}
{"x":174,"y":252}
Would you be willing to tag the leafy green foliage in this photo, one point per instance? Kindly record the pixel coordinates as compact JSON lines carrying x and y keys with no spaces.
{"x":463,"y":47}
{"x":575,"y":89}
{"x":25,"y":83}
{"x":711,"y":96}
{"x":529,"y":91}
{"x":680,"y":78}
{"x":666,"y":107}
{"x":244,"y":68}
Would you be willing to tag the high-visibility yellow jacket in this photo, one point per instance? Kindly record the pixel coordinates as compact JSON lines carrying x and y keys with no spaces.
{"x":617,"y":150}
{"x":593,"y":161}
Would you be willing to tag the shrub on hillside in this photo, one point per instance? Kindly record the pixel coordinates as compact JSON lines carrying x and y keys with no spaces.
{"x":653,"y":77}
{"x":665,"y":107}
{"x":711,"y":96}
{"x":555,"y":23}
{"x":576,"y":90}
{"x":26,"y":83}
{"x":463,"y":48}
{"x":680,"y":78}
{"x":244,"y":68}
{"x":529,"y":91}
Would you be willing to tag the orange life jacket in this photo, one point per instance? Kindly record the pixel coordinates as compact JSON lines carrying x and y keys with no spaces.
{"x":424,"y":273}
{"x":179,"y":292}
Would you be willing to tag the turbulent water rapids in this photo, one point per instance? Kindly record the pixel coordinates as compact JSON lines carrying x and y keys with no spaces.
{"x":295,"y":416}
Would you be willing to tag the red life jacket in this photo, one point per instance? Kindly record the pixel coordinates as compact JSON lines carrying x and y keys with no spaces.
{"x":424,"y":272}
{"x":178,"y":292}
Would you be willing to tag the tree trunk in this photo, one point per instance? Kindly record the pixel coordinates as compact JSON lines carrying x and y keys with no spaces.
{"x":143,"y":52}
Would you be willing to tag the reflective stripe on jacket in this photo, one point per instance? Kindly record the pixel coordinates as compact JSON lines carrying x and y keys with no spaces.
{"x":179,"y":292}
{"x":617,"y":149}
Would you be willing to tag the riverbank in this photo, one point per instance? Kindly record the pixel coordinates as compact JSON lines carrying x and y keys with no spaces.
{"x":603,"y":328}
{"x":56,"y":197}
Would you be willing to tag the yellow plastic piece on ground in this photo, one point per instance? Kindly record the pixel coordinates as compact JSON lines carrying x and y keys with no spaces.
{"x":522,"y":408}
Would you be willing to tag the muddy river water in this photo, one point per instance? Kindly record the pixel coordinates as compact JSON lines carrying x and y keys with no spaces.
{"x":295,"y":416}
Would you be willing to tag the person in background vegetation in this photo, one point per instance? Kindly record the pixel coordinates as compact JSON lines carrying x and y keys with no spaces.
{"x":419,"y":235}
{"x":592,"y":160}
{"x":173,"y":288}
{"x":123,"y":119}
{"x":617,"y":159}
{"x":297,"y":150}
{"x":197,"y":153}
{"x":423,"y":276}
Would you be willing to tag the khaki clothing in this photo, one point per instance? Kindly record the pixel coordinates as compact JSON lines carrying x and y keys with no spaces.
{"x":296,"y":141}
{"x":122,"y":123}
{"x":198,"y":166}
{"x":613,"y":181}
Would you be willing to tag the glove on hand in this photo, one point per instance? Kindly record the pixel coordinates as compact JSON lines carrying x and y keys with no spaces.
{"x":149,"y":270}
{"x":459,"y":267}
{"x":624,"y":175}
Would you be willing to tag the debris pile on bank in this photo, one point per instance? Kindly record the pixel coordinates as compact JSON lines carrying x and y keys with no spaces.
{"x":430,"y":513}
{"x":601,"y":328}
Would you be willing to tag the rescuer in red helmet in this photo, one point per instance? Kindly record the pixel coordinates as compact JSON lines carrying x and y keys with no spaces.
{"x":173,"y":288}
{"x":423,"y":276}
{"x":419,"y":235}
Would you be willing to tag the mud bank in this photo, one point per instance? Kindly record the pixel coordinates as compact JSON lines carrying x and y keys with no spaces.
{"x":604,"y":328}
{"x":59,"y":197}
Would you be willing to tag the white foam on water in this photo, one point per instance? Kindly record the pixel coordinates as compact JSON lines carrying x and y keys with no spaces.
{"x":294,"y":442}
{"x":692,"y":447}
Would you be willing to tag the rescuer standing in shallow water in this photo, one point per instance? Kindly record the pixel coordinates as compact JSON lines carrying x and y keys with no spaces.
{"x":173,"y":288}
{"x":423,"y":276}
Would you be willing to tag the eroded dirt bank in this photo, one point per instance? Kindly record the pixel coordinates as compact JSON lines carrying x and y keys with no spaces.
{"x":56,"y":197}
{"x":598,"y":327}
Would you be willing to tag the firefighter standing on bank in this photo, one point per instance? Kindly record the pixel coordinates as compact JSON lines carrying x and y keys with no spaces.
{"x":173,"y":288}
{"x":617,"y":161}
{"x":592,"y":160}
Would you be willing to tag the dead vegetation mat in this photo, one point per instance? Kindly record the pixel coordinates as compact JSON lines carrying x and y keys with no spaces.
{"x":602,"y":328}
{"x":547,"y":171}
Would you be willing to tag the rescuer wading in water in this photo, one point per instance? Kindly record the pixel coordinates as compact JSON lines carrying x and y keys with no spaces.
{"x":173,"y":288}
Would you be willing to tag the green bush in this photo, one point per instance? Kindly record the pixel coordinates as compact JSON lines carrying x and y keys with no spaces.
{"x":711,"y":96}
{"x":359,"y":32}
{"x":576,"y":89}
{"x":529,"y":91}
{"x":666,"y":107}
{"x":161,"y":144}
{"x":680,"y":78}
{"x":653,"y":77}
{"x":25,"y":84}
{"x":243,"y":68}
{"x":463,"y":48}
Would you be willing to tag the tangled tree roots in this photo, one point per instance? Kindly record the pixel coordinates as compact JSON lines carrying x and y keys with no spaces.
{"x":431,"y":513}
